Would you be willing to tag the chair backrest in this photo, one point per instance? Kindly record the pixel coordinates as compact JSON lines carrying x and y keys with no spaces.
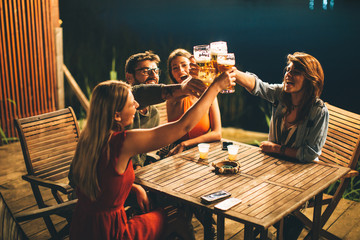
{"x":9,"y":228}
{"x":161,"y":107}
{"x":48,"y":143}
{"x":343,"y":138}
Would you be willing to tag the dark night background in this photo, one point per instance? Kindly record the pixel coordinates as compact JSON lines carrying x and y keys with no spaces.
{"x":260,"y":33}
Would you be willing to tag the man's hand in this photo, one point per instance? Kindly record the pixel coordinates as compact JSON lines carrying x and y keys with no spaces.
{"x":226,"y":79}
{"x":193,"y":86}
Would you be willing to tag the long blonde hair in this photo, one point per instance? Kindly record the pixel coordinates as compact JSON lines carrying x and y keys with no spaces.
{"x":107,"y":98}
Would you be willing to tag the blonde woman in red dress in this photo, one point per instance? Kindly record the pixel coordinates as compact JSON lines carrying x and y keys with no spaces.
{"x":102,"y":170}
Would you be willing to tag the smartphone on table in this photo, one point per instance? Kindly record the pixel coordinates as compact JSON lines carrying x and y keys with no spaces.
{"x":215,"y":196}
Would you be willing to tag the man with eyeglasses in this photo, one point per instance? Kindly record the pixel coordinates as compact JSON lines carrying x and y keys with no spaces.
{"x":142,"y":68}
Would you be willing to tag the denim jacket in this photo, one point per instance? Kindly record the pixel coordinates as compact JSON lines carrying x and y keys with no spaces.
{"x":311,"y":133}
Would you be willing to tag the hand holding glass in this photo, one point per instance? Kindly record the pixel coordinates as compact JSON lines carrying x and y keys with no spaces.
{"x":224,"y":63}
{"x":217,"y":48}
{"x":202,"y":58}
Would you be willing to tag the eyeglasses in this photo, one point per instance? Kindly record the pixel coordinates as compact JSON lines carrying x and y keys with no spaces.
{"x":147,"y":71}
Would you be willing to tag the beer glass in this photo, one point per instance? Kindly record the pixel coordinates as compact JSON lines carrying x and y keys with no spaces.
{"x":224,"y":63}
{"x":202,"y":55}
{"x":217,"y":48}
{"x":207,"y":75}
{"x":202,"y":58}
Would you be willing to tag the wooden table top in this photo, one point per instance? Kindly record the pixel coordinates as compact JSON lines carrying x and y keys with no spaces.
{"x":270,"y":188}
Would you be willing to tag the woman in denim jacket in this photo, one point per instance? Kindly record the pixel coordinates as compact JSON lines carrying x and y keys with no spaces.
{"x":299,"y":120}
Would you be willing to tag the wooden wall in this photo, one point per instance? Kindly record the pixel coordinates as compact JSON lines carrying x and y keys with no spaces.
{"x":27,"y":59}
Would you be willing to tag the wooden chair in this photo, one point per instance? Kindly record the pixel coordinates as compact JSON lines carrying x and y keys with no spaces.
{"x":342,"y":147}
{"x":48,"y":143}
{"x":161,"y":107}
{"x":10,"y":228}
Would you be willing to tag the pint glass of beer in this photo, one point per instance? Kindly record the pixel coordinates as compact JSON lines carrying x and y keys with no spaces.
{"x":217,"y":48}
{"x":224,"y":63}
{"x":202,"y":58}
{"x":202,"y":55}
{"x":207,"y":75}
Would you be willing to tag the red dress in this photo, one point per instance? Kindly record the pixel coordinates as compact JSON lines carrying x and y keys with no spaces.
{"x":105,"y":218}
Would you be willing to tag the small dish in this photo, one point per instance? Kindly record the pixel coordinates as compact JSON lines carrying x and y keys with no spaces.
{"x":226,"y":167}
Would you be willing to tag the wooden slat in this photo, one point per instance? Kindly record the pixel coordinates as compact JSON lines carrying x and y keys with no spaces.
{"x":3,"y":72}
{"x":47,"y":126}
{"x":334,"y":157}
{"x":342,"y":131}
{"x":336,"y":112}
{"x":25,"y":59}
{"x":18,"y":66}
{"x":8,"y":61}
{"x":342,"y":143}
{"x":162,"y":112}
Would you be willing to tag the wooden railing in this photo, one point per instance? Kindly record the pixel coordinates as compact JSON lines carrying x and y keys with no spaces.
{"x":77,"y":90}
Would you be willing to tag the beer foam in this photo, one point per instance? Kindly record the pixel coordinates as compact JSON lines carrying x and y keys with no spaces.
{"x":226,"y":61}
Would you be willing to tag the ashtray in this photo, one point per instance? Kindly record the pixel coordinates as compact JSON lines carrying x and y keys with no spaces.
{"x":226,"y":167}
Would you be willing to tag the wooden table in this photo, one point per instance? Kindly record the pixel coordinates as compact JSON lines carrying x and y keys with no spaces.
{"x":270,"y":188}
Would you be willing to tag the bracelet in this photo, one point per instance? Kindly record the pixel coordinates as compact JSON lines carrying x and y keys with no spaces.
{"x":282,"y":149}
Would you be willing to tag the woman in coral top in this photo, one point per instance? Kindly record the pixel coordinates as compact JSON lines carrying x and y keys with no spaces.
{"x":208,"y":129}
{"x":102,"y":166}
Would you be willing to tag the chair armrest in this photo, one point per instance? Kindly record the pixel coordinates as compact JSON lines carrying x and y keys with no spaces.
{"x":64,"y":188}
{"x":43,"y":212}
{"x":352,"y":173}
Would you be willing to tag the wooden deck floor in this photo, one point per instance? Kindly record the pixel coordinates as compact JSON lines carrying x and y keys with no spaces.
{"x":345,"y":222}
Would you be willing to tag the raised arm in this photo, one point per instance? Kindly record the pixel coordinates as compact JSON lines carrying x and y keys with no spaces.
{"x":246,"y":80}
{"x":211,"y":136}
{"x":190,"y":86}
{"x":150,"y":94}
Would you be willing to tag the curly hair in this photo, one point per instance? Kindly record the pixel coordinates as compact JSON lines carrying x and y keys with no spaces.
{"x":133,"y":60}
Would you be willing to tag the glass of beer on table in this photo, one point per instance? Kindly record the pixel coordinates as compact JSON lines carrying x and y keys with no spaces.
{"x":224,"y":63}
{"x":207,"y":73}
